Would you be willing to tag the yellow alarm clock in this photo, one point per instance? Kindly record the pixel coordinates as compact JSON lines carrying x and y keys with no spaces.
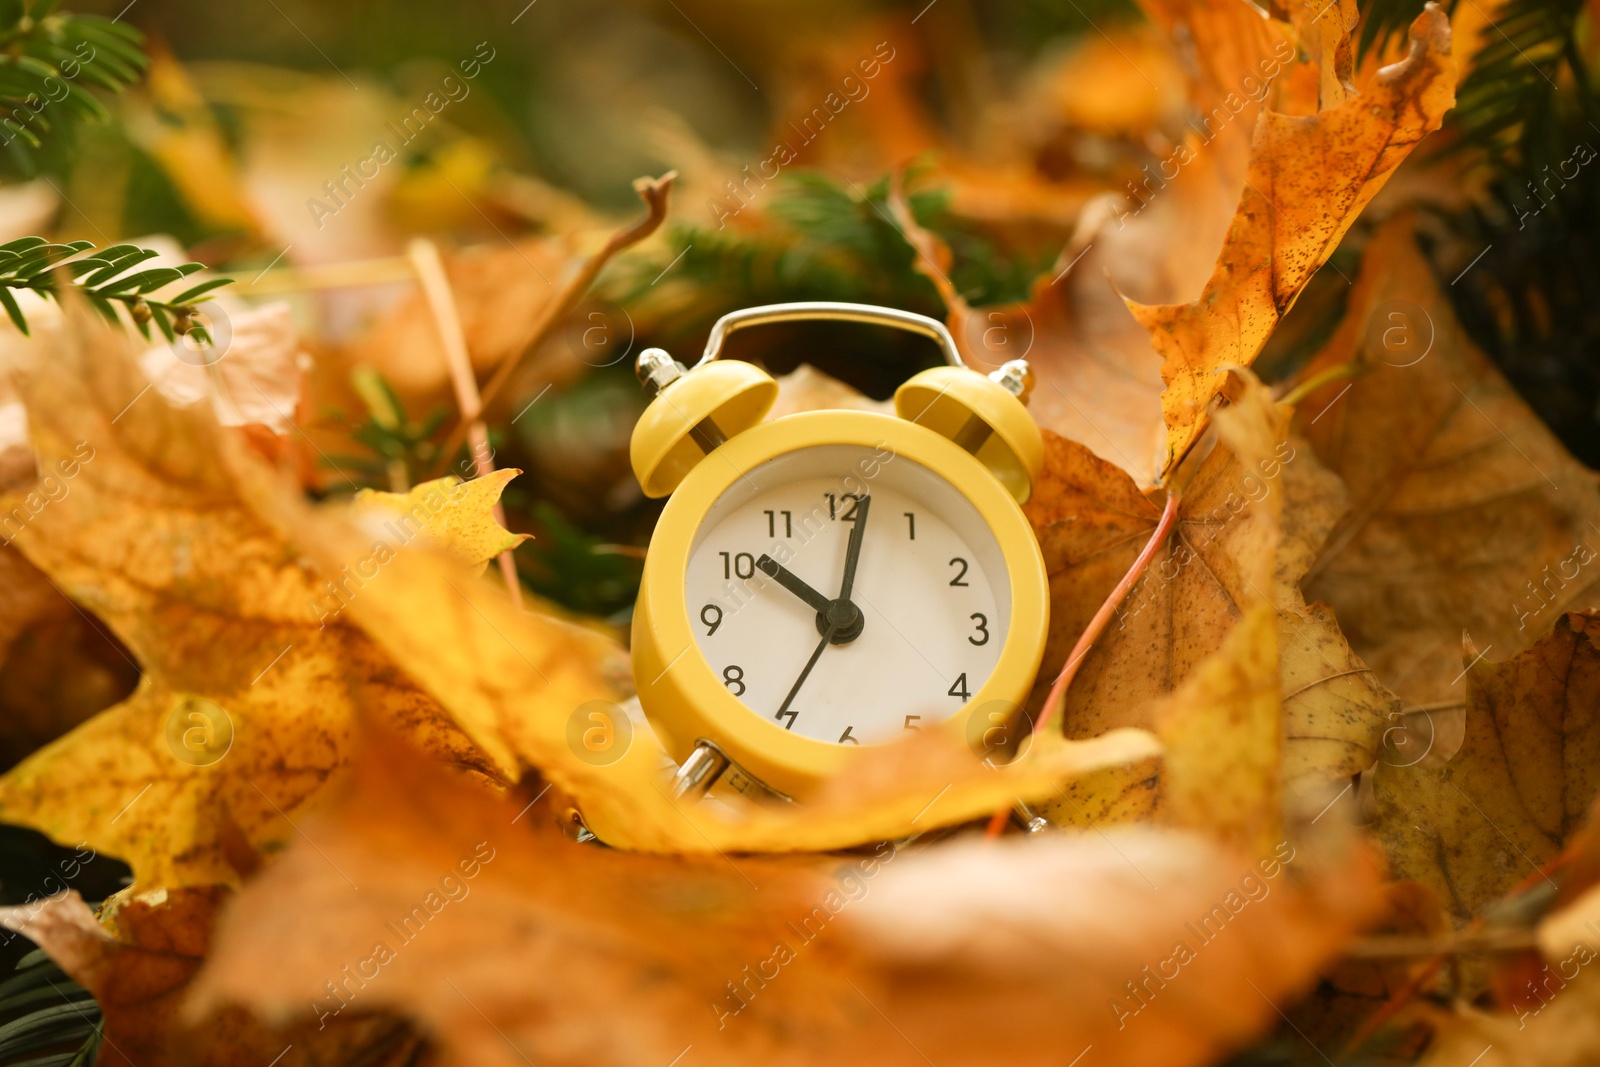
{"x":832,"y":579}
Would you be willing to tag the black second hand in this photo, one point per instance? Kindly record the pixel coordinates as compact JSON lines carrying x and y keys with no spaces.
{"x":833,"y":628}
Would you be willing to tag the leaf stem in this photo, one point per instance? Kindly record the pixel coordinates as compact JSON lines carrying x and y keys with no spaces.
{"x":653,"y":191}
{"x":1056,"y":699}
{"x":1335,"y":373}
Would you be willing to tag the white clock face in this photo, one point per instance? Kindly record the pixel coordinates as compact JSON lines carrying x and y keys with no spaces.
{"x":912,"y":638}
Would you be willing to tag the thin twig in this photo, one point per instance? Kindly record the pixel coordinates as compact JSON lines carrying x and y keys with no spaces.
{"x":1425,"y":973}
{"x":1400,"y":947}
{"x":424,"y":255}
{"x":653,"y":191}
{"x":933,"y":260}
{"x":1056,"y":700}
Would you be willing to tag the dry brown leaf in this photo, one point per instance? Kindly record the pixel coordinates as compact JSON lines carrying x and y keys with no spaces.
{"x":1349,"y":994}
{"x":807,"y":389}
{"x":1466,"y":513}
{"x":140,"y":976}
{"x":1564,"y":1034}
{"x":1308,"y":179}
{"x":513,"y":944}
{"x":258,"y":360}
{"x":1522,"y":783}
{"x":1224,"y":560}
{"x":1336,"y":708}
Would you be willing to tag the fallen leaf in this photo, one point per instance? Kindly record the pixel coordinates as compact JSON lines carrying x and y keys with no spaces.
{"x":251,"y":668}
{"x":1225,"y":557}
{"x":807,"y":389}
{"x":511,"y":943}
{"x":1465,"y":511}
{"x":1222,"y":732}
{"x":257,"y":359}
{"x":1336,"y":708}
{"x":141,"y":976}
{"x":1521,"y":785}
{"x":501,"y":293}
{"x":1309,"y":177}
{"x":451,"y":516}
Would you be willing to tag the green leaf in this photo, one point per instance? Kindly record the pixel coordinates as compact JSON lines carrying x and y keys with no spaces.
{"x":102,"y":305}
{"x":13,"y":310}
{"x":158,"y":314}
{"x":188,"y":295}
{"x":119,"y":264}
{"x":143,"y":282}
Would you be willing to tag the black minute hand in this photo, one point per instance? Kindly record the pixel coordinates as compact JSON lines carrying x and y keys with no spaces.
{"x":792,"y":582}
{"x":852,"y":553}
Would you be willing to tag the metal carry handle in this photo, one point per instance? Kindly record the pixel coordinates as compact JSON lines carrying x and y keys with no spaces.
{"x":834,"y":310}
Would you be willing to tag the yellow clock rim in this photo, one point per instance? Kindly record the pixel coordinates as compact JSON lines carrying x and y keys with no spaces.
{"x":681,"y":693}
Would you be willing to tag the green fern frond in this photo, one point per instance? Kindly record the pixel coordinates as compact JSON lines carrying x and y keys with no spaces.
{"x":1528,"y":70}
{"x":48,"y":60}
{"x":1383,"y":20}
{"x":103,"y":278}
{"x":46,"y":1019}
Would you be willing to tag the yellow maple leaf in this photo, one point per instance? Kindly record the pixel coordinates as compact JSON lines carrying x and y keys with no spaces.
{"x":454,"y":516}
{"x":252,"y":672}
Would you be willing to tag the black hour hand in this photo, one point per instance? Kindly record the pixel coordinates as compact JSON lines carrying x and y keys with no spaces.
{"x":792,"y":582}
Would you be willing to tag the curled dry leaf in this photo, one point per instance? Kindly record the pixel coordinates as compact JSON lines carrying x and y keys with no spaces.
{"x":252,"y":670}
{"x":512,"y":943}
{"x":1228,"y":555}
{"x":1308,"y":179}
{"x":1465,"y":511}
{"x":1509,"y":801}
{"x":140,"y":976}
{"x":258,"y":361}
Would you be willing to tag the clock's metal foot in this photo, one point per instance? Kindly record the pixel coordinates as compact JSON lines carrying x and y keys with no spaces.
{"x":1030,"y":820}
{"x":700,"y":771}
{"x":707,"y":765}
